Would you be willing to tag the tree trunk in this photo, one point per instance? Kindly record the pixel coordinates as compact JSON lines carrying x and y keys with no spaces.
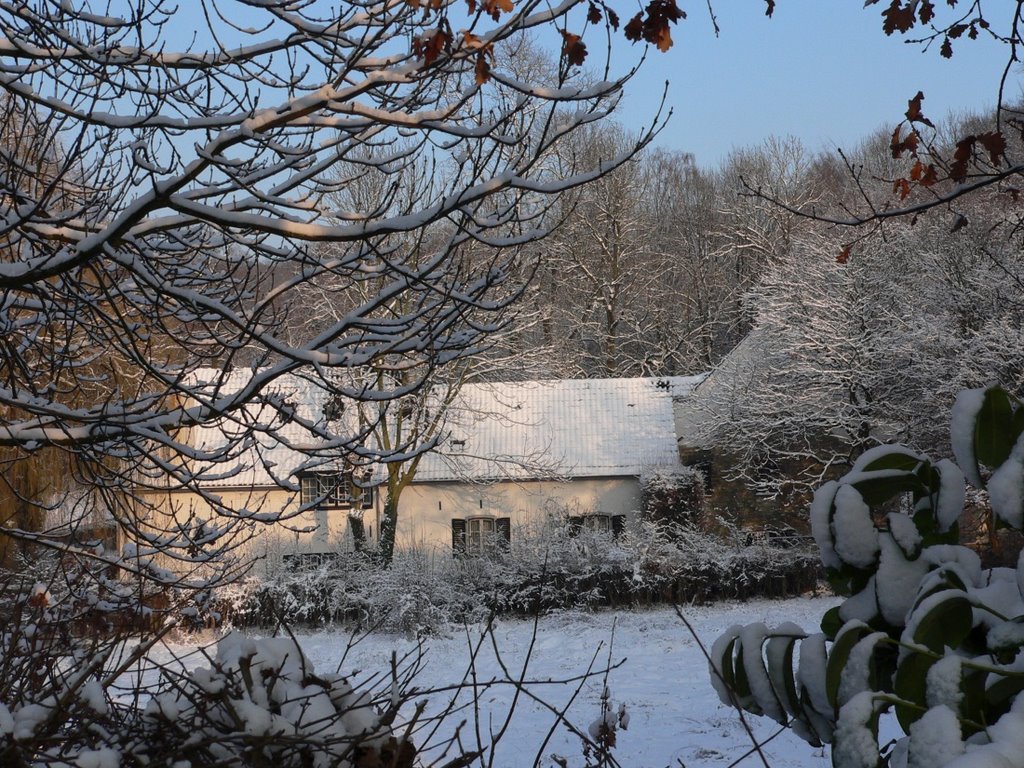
{"x":388,"y":524}
{"x":358,"y":532}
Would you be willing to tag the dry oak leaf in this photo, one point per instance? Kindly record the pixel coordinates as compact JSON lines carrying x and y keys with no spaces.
{"x":496,"y":7}
{"x":914,"y":113}
{"x":573,"y":48}
{"x":995,"y":144}
{"x":430,"y":45}
{"x":654,"y":28}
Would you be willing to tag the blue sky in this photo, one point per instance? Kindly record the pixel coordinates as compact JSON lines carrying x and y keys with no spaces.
{"x":820,"y":70}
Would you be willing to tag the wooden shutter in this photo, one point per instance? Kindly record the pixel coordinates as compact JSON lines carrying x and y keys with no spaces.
{"x":503,"y":531}
{"x":618,"y":525}
{"x":458,"y":536}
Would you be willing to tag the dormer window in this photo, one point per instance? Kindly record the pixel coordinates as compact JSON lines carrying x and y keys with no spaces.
{"x":334,"y":490}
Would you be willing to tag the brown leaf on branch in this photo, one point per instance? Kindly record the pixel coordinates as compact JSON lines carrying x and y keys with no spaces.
{"x":634,"y":28}
{"x":926,"y":12}
{"x":482,"y":68}
{"x":494,"y":8}
{"x":914,"y":113}
{"x":655,"y":27}
{"x":902,"y":186}
{"x":844,"y":255}
{"x":770,"y":8}
{"x":594,"y":14}
{"x":573,"y":49}
{"x":897,"y":18}
{"x":946,"y":49}
{"x":430,"y":45}
{"x":961,"y":157}
{"x":995,"y":144}
{"x":898,"y":146}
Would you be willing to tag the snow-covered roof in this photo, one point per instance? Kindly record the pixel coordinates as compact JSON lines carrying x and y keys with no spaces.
{"x":521,"y":430}
{"x":565,"y":428}
{"x":709,"y":404}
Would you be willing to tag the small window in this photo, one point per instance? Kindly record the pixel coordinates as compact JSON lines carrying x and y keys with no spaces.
{"x":478,"y":536}
{"x":309,"y":561}
{"x":334,"y":491}
{"x":598,"y":522}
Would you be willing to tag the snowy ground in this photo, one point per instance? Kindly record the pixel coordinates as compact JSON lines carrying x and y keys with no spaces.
{"x":675,"y":717}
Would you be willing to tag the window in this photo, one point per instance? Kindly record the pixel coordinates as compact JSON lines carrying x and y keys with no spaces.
{"x":334,"y":491}
{"x":309,"y":561}
{"x":478,"y":536}
{"x":598,"y":522}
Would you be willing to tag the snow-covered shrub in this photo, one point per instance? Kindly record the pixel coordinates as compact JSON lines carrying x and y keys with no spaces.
{"x":925,"y":635}
{"x":675,"y":498}
{"x":260,"y":702}
{"x":78,"y":693}
{"x":550,"y":567}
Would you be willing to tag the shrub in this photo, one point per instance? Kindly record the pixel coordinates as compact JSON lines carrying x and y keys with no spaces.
{"x":548,"y":568}
{"x":77,"y":693}
{"x":926,"y":634}
{"x":673,"y":498}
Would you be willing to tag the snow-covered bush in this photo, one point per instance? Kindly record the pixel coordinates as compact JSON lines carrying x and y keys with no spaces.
{"x":75,"y":692}
{"x":260,"y":702}
{"x":673,"y":497}
{"x":926,"y":635}
{"x":547,"y":568}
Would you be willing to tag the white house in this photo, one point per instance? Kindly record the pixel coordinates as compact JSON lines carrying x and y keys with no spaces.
{"x":512,"y":455}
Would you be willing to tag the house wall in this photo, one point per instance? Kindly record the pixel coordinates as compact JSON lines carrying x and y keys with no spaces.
{"x":425,"y":513}
{"x":426,"y":509}
{"x":309,"y":531}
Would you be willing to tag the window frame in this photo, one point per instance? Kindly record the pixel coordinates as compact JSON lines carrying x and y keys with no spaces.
{"x":480,"y":543}
{"x":598,"y":522}
{"x":326,"y":495}
{"x":491,"y":535}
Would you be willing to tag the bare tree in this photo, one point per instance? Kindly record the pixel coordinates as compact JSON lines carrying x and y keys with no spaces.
{"x":171,"y":195}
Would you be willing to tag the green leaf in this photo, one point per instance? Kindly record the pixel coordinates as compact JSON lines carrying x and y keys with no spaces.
{"x":994,"y":428}
{"x":741,"y":684}
{"x":910,"y":683}
{"x":878,"y":490}
{"x":831,"y":623}
{"x":895,"y":459}
{"x":779,"y":654}
{"x":851,"y":634}
{"x":1000,"y":695}
{"x":945,"y":623}
{"x":973,"y":705}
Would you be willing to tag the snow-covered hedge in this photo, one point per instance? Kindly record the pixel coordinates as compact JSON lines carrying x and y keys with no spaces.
{"x":673,"y":497}
{"x":926,"y":637}
{"x":548,"y":568}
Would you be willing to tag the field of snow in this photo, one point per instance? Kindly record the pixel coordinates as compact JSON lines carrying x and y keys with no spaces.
{"x":675,"y":718}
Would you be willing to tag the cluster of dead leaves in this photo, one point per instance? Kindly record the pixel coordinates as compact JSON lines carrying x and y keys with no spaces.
{"x":930,"y":167}
{"x":651,"y":25}
{"x":903,"y":15}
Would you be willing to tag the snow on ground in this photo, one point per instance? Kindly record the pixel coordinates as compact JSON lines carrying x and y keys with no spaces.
{"x":675,"y":718}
